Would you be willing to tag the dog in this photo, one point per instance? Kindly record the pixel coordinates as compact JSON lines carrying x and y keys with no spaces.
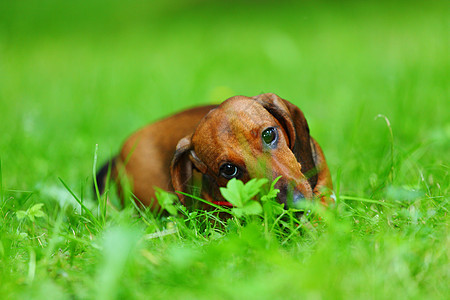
{"x":199,"y":150}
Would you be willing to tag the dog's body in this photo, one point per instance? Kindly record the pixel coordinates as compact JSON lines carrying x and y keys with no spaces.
{"x":243,"y":138}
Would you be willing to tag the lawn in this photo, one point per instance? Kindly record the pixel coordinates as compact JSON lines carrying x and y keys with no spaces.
{"x":371,"y":77}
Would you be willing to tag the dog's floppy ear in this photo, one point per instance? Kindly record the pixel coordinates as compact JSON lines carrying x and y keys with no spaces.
{"x":324,"y":186}
{"x":295,"y":125}
{"x":183,"y":164}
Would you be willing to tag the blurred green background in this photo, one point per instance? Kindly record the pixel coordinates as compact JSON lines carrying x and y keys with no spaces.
{"x":74,"y":74}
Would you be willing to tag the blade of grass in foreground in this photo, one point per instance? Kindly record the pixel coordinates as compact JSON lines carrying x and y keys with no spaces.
{"x":94,"y":219}
{"x":391,"y":135}
{"x":204,"y":201}
{"x":101,"y":200}
{"x":367,"y":200}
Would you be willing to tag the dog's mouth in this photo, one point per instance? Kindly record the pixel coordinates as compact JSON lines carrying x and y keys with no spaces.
{"x":222,"y":203}
{"x":211,"y":200}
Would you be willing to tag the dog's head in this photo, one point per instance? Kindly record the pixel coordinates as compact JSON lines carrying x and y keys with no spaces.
{"x":245,"y":138}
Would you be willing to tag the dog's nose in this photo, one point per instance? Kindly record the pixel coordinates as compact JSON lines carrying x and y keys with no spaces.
{"x":297,"y":197}
{"x":290,"y":196}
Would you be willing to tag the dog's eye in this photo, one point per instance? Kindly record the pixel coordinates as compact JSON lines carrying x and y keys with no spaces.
{"x":229,"y":171}
{"x":269,"y":135}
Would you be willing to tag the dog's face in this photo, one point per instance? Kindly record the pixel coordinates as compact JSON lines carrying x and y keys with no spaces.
{"x":247,"y":138}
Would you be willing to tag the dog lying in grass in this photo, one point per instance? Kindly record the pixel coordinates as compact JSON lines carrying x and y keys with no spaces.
{"x":199,"y":150}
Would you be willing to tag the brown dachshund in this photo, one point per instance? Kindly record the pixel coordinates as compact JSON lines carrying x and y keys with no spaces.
{"x":199,"y":150}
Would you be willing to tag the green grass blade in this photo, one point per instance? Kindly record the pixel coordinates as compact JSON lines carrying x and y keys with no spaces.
{"x":87,"y":210}
{"x":205,"y":201}
{"x":367,"y":200}
{"x":101,"y":200}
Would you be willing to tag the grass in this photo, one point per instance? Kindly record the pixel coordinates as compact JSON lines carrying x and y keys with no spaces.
{"x":74,"y":76}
